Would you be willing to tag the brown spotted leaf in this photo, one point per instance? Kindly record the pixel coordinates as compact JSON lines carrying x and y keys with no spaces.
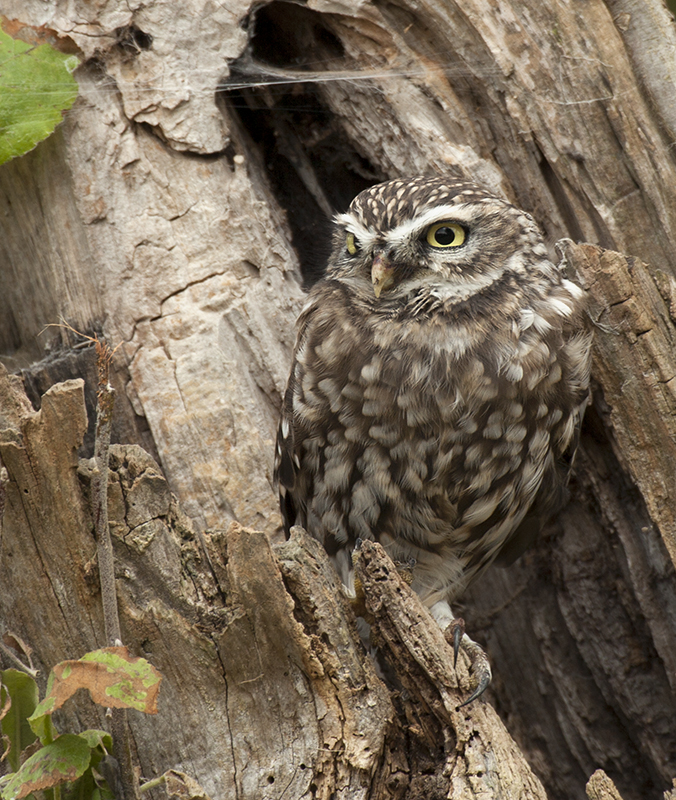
{"x":62,"y":761}
{"x":113,"y":678}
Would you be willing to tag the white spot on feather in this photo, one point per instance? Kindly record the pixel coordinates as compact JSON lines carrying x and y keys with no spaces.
{"x":559,"y":305}
{"x":574,"y":290}
{"x":527,"y":318}
{"x":514,"y":372}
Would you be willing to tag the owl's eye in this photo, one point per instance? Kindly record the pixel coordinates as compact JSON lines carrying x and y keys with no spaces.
{"x":445,"y":234}
{"x":352,"y":244}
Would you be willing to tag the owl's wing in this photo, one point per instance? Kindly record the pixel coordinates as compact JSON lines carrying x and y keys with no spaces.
{"x":286,"y":459}
{"x":552,"y":495}
{"x":287,"y":463}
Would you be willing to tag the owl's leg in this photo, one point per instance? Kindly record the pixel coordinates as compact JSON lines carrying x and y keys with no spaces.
{"x":454,"y":631}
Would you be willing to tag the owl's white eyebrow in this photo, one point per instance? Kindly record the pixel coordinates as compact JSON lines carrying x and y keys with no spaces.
{"x":454,"y":212}
{"x":364,"y":236}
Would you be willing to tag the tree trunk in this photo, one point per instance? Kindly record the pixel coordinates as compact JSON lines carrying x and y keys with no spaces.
{"x":178,"y":210}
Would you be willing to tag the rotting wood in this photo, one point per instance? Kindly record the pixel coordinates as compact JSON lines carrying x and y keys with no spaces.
{"x":600,"y":787}
{"x":634,"y":361}
{"x":281,"y":688}
{"x":478,"y":755}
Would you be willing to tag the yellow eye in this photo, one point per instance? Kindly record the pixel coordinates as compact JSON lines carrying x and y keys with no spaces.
{"x":352,"y":244}
{"x":445,"y":234}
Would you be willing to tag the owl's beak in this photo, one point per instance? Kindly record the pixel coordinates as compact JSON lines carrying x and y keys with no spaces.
{"x":382,"y":274}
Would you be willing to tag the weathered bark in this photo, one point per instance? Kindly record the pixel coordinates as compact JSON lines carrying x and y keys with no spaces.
{"x":600,"y":787}
{"x":267,"y":688}
{"x":174,"y":219}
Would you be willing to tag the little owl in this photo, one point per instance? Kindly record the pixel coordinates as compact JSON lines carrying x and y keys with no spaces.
{"x":440,"y":375}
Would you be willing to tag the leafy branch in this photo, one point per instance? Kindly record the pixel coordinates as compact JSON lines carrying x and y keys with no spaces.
{"x":113,"y":678}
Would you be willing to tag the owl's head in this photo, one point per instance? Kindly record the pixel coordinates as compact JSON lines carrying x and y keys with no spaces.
{"x":448,"y":235}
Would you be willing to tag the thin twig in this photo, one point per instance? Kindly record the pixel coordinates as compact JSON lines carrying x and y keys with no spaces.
{"x":119,"y":730}
{"x":104,"y":414}
{"x":153,"y":784}
{"x":111,"y":620}
{"x":17,"y":661}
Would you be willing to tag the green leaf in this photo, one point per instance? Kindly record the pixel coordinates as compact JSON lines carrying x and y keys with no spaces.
{"x":36,"y":87}
{"x":43,"y":727}
{"x":65,"y":760}
{"x":40,"y":720}
{"x":22,"y":691}
{"x":82,"y":789}
{"x":91,"y":785}
{"x":96,"y":739}
{"x":88,"y":788}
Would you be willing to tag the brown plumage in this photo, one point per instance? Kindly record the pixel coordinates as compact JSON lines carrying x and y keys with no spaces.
{"x":440,"y":376}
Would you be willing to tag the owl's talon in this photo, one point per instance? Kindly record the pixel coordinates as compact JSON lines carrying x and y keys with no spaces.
{"x":454,"y":634}
{"x":481,"y":668}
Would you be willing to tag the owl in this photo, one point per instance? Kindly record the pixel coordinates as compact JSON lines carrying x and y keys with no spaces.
{"x":439,"y":379}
